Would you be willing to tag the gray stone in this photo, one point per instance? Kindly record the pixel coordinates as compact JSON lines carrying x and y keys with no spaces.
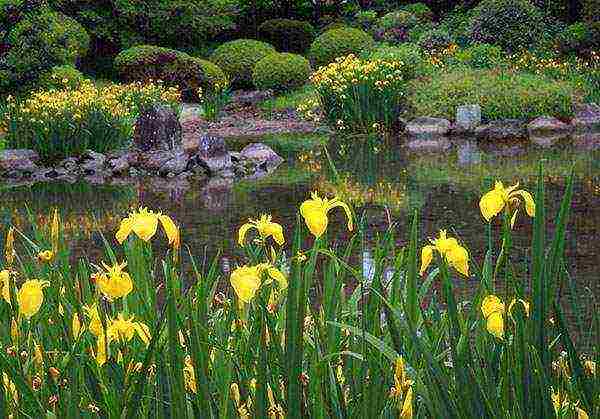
{"x":425,"y":127}
{"x":502,"y":129}
{"x":249,"y":98}
{"x":587,"y":119}
{"x":428,"y":145}
{"x":176,"y":164}
{"x":212,"y":154}
{"x":547,"y":130}
{"x":157,"y":128}
{"x":92,"y":162}
{"x":586,"y":142}
{"x":153,"y":161}
{"x":119,"y":164}
{"x":20,"y":160}
{"x":262,"y":156}
{"x":468,"y":117}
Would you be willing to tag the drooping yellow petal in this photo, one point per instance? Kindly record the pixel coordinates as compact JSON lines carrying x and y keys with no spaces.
{"x":245,"y":281}
{"x":337,"y":203}
{"x":171,"y":230}
{"x":278,"y":276}
{"x":458,"y":257}
{"x":276,"y":231}
{"x":528,"y":199}
{"x":124,"y":230}
{"x":407,"y":409}
{"x":242,"y":233}
{"x":316,"y":221}
{"x":491,"y":304}
{"x":426,"y":258}
{"x":523,"y":302}
{"x":495,"y":324}
{"x":491,"y":204}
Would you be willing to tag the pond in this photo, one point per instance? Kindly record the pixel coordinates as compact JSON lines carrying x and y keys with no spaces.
{"x":385,"y":182}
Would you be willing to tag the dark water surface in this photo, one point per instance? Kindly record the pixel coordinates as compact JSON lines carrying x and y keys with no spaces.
{"x":384,"y":181}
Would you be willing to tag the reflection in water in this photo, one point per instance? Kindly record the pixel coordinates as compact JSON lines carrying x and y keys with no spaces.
{"x":377,"y":174}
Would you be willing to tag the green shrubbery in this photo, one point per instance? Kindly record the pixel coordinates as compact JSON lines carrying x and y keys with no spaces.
{"x":420,"y":11}
{"x":501,"y":95}
{"x":281,"y":72}
{"x":481,"y":56}
{"x":61,"y":77}
{"x":510,"y":24}
{"x":238,"y":58}
{"x":412,"y":60}
{"x":288,"y":35}
{"x":337,"y":43}
{"x":148,"y":62}
{"x":366,"y":19}
{"x":435,"y":40}
{"x":579,"y":38}
{"x":33,"y":39}
{"x":394,"y":27}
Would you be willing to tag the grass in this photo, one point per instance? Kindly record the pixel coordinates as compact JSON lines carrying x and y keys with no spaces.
{"x":288,"y":101}
{"x":322,"y":346}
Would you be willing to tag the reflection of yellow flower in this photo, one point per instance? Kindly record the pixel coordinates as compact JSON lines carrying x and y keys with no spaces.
{"x":456,"y":255}
{"x":30,"y":297}
{"x":501,"y":198}
{"x":266,"y":228}
{"x":315,"y":210}
{"x":144,"y":223}
{"x":493,"y":310}
{"x":114,"y":283}
{"x":246,"y":280}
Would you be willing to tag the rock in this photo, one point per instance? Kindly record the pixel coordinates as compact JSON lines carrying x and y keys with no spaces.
{"x":20,"y":160}
{"x":546,"y":131}
{"x":92,"y":162}
{"x":586,"y":142}
{"x":189,"y":110}
{"x":428,"y":145}
{"x":212,"y":154}
{"x":153,"y":161}
{"x":501,"y":130}
{"x":262,"y":156}
{"x":119,"y":164}
{"x":157,"y":128}
{"x":176,"y":164}
{"x":587,"y":119}
{"x":468,"y":117}
{"x":249,"y":98}
{"x":69,"y":165}
{"x":425,"y":127}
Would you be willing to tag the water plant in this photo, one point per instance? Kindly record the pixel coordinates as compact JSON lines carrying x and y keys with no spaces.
{"x":298,"y":328}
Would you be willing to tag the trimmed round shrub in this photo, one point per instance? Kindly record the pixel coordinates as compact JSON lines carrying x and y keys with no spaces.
{"x":411,"y":58}
{"x":62,"y":77}
{"x":149,"y":62}
{"x":394,"y":27}
{"x":338,"y":43}
{"x":288,"y":35}
{"x":510,"y":24}
{"x":281,"y":72}
{"x":238,"y":58}
{"x":500,"y":95}
{"x":481,"y":56}
{"x":33,"y":40}
{"x":435,"y":40}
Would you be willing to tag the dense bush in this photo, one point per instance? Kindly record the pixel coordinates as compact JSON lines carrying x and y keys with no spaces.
{"x":504,"y":95}
{"x":338,"y":43}
{"x":281,"y":72}
{"x":511,"y":24}
{"x":579,"y":38}
{"x":591,"y":10}
{"x":458,"y":24}
{"x":481,"y":56}
{"x":288,"y":35}
{"x":420,"y":11}
{"x":61,"y":77}
{"x":411,"y":59}
{"x":435,"y":40}
{"x":366,"y":19}
{"x":238,"y":58}
{"x":394,"y":27}
{"x":64,"y":123}
{"x":33,"y":39}
{"x":175,"y":68}
{"x":358,"y":95}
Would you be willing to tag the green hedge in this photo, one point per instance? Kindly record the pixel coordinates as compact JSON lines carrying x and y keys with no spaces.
{"x":238,"y":58}
{"x":288,"y":35}
{"x":281,"y":72}
{"x":337,"y":43}
{"x":501,"y":95}
{"x":145,"y":62}
{"x":414,"y":62}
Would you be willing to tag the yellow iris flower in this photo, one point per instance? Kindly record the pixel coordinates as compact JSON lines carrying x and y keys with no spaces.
{"x":5,"y":284}
{"x":45,"y":256}
{"x":266,"y":228}
{"x":120,"y":329}
{"x":493,"y":310}
{"x":189,"y":375}
{"x":315,"y":210}
{"x":562,"y":405}
{"x":407,"y":409}
{"x":144,"y":224}
{"x":114,"y":283}
{"x":30,"y":297}
{"x":402,"y":390}
{"x":456,"y":255}
{"x":500,"y":198}
{"x":246,"y":280}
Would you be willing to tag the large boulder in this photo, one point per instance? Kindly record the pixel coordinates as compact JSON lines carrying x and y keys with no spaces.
{"x":262,"y":156}
{"x":213,"y":155}
{"x":426,"y":127}
{"x":502,"y":129}
{"x":21,"y":160}
{"x":546,"y":131}
{"x":157,"y":128}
